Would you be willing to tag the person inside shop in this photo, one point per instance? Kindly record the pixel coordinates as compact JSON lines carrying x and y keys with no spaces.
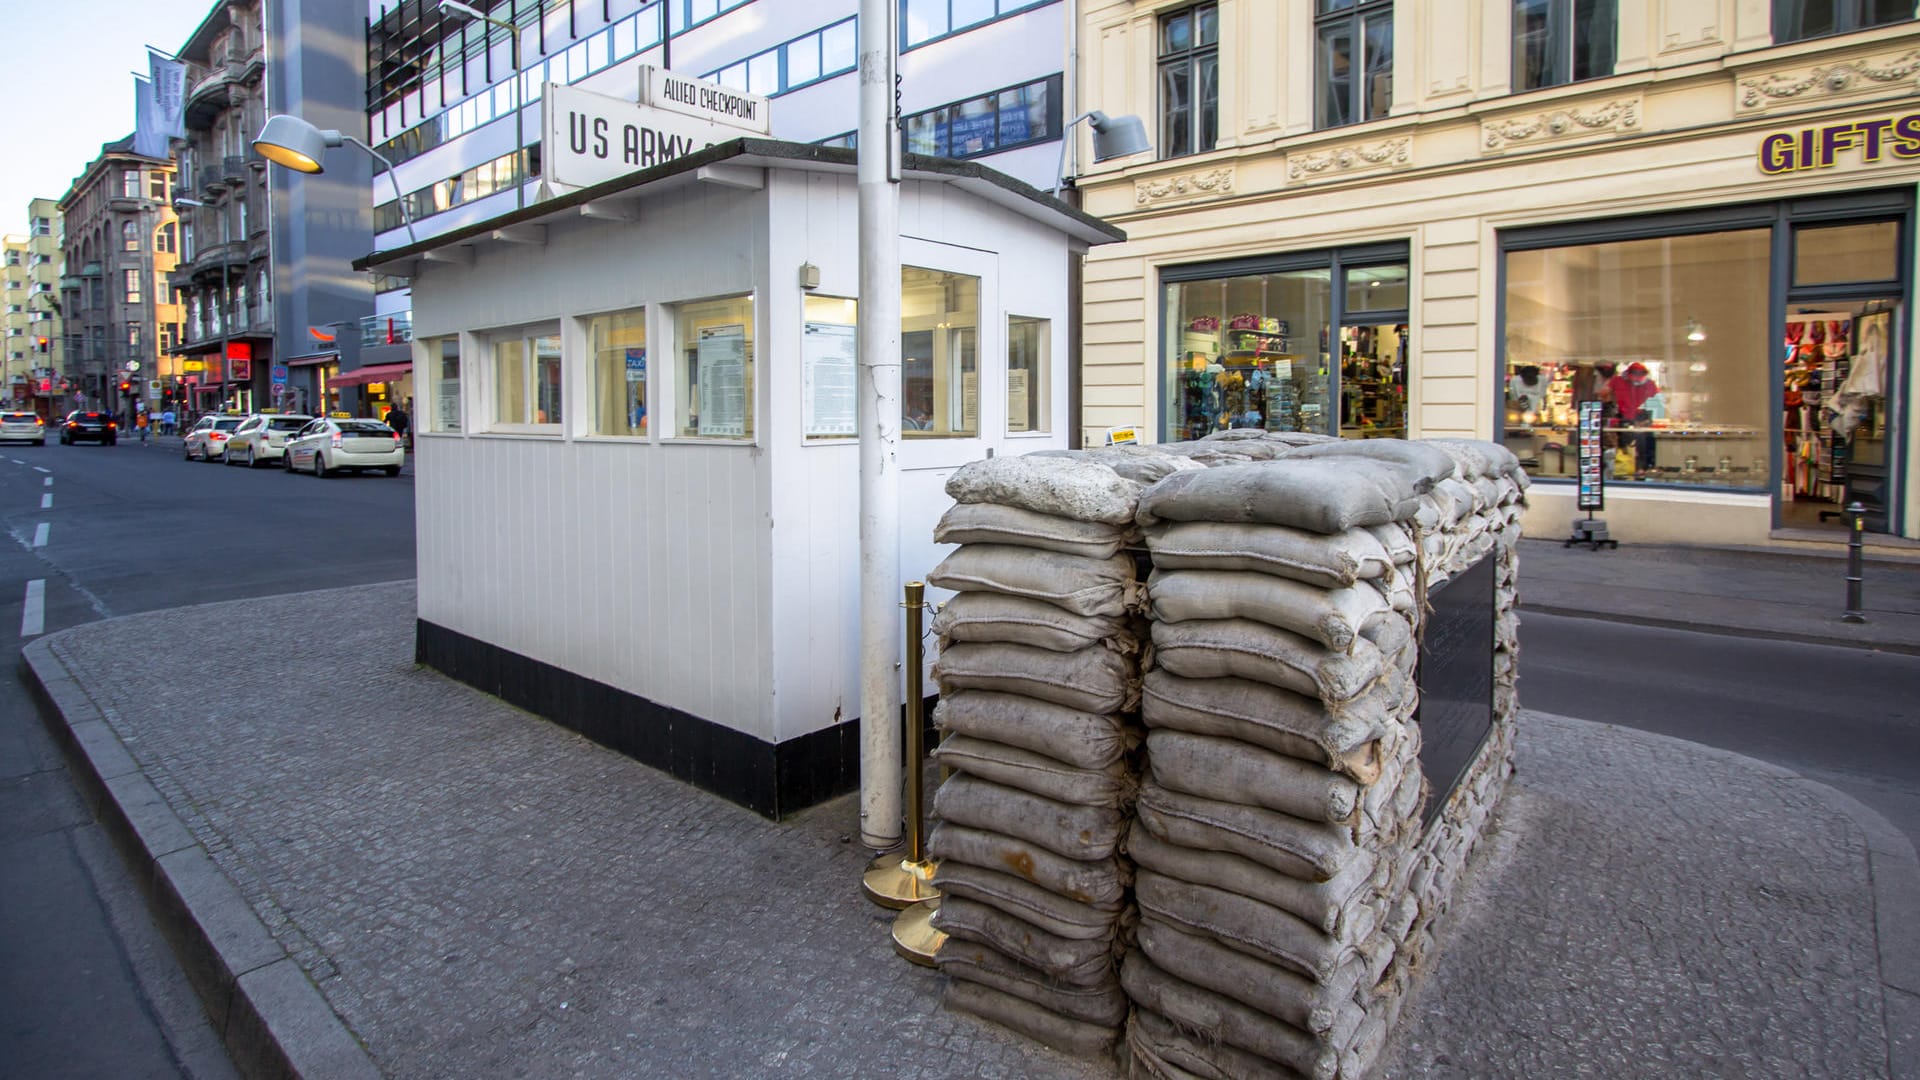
{"x":1633,"y":393}
{"x":1526,"y":392}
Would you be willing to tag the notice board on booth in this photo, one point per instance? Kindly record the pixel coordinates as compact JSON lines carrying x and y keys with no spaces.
{"x":721,"y":357}
{"x":828,"y":379}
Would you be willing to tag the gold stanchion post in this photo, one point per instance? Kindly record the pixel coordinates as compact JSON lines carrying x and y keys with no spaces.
{"x":908,"y":883}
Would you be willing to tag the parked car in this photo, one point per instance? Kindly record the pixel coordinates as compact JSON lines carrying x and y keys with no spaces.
{"x":337,"y":444}
{"x":24,"y":426}
{"x":207,"y":439}
{"x":90,"y":427}
{"x":263,"y":437}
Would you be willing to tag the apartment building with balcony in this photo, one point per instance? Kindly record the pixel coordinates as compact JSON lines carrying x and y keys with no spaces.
{"x":117,"y":312}
{"x":1687,"y":222}
{"x":979,"y":79}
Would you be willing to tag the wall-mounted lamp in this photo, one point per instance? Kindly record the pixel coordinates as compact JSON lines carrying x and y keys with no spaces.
{"x":298,"y":145}
{"x":1113,"y":136}
{"x":1695,"y":332}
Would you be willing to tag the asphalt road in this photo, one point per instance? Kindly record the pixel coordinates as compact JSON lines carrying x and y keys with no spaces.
{"x":133,"y":528}
{"x":88,"y":988}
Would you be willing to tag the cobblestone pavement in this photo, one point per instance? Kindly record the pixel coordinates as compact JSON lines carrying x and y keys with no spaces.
{"x":480,"y":893}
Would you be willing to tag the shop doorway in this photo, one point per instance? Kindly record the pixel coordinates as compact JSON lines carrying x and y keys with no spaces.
{"x":1838,"y":360}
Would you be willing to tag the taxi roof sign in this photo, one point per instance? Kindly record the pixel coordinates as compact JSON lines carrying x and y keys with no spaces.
{"x":339,"y":416}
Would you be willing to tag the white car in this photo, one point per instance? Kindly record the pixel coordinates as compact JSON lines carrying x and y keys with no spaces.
{"x":207,"y":439}
{"x":263,"y":437}
{"x":337,"y":444}
{"x":24,"y":426}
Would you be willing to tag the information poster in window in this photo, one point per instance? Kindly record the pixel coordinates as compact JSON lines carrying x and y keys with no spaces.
{"x":828,"y":379}
{"x":969,"y":402}
{"x":1017,"y":400}
{"x":448,"y":402}
{"x":636,"y":365}
{"x":1593,"y":492}
{"x":722,"y":366}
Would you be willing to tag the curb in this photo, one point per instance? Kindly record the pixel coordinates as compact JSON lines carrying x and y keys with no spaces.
{"x":1895,"y":647}
{"x":268,"y":1014}
{"x":1894,"y":869}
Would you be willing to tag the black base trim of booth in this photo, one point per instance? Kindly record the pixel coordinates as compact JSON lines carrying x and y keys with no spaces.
{"x":773,"y":779}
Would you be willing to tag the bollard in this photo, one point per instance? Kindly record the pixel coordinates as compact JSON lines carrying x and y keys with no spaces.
{"x":1856,"y":560}
{"x":893,"y":881}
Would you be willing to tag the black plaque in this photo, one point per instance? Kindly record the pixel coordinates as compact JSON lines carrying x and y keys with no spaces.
{"x":1456,"y":680}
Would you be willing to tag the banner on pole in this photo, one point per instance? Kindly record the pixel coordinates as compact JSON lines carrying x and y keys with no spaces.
{"x":169,"y":78}
{"x":148,"y":139}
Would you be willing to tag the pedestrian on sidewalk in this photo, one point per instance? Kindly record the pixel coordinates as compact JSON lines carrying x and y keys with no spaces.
{"x":166,"y":422}
{"x":140,"y":424}
{"x":398,"y":421}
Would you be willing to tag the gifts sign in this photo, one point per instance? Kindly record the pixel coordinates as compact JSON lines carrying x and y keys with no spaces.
{"x":1593,"y":484}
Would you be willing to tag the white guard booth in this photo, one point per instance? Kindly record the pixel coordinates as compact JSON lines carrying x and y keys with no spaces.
{"x":637,"y":474}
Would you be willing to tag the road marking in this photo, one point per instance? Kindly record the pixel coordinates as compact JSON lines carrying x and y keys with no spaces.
{"x":33,"y":614}
{"x":40,"y":534}
{"x":37,"y":468}
{"x":46,"y":501}
{"x":48,"y":482}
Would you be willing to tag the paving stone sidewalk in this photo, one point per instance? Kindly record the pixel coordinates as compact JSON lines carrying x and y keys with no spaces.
{"x":476,"y":892}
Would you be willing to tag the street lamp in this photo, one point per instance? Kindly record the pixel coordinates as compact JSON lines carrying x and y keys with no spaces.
{"x":298,"y":145}
{"x":1113,"y":136}
{"x":519,"y":102}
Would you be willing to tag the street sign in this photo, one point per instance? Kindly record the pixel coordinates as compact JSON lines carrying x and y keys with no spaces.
{"x":193,"y":365}
{"x":133,"y":365}
{"x":279,"y":374}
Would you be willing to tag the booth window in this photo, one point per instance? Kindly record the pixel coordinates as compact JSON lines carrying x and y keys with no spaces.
{"x":939,"y":346}
{"x":443,"y":368}
{"x":829,"y":372}
{"x":617,"y":351}
{"x":526,"y":380}
{"x":1665,"y":334}
{"x":1029,"y":401}
{"x":1353,"y":61}
{"x":716,"y":368}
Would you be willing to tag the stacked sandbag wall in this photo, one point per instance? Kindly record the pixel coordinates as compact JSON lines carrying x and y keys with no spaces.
{"x":1039,"y":678}
{"x":1283,"y":881}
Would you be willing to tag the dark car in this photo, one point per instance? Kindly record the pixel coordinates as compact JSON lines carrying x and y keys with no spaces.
{"x":89,"y":427}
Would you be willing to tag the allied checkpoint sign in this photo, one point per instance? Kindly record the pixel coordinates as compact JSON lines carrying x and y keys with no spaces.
{"x":588,"y":138}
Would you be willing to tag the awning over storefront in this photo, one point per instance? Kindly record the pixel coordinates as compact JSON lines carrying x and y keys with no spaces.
{"x":372,"y":373}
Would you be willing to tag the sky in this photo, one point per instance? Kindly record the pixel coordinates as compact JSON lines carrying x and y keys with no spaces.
{"x":72,"y":86}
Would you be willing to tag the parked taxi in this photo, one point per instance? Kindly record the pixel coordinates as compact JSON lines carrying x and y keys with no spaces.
{"x":24,"y":426}
{"x":207,"y":439}
{"x":263,"y":437}
{"x":340,"y":442}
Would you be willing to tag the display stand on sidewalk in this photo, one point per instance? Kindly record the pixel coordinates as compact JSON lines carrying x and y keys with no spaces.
{"x":1590,"y":530}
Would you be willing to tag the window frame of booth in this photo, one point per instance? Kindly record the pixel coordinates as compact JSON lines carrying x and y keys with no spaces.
{"x":526,"y":333}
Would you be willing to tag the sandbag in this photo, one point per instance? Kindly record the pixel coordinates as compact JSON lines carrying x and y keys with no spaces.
{"x":1019,"y":620}
{"x":1261,"y":930}
{"x":1101,"y":882}
{"x":1311,"y":851}
{"x":1429,"y":463}
{"x":1327,"y":906}
{"x":1067,"y":1035}
{"x":1037,"y":773}
{"x":1279,"y":720}
{"x":1161,"y":1050}
{"x":1141,"y":464}
{"x":1104,"y":1005}
{"x":1198,"y":1009}
{"x":1077,"y":832}
{"x":1398,"y":542}
{"x":1245,"y":649}
{"x":1029,"y":903}
{"x":1332,"y":617}
{"x":1094,"y":680}
{"x":1074,"y":961}
{"x":1477,"y":457}
{"x":1062,"y":487}
{"x":1316,"y":494}
{"x":1329,"y":562}
{"x":1324,"y":1009}
{"x":990,"y":523}
{"x":1082,"y":586}
{"x":1235,"y":772}
{"x":1082,"y":739}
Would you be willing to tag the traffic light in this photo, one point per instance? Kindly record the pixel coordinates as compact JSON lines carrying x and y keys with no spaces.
{"x":125,"y":386}
{"x":43,"y":343}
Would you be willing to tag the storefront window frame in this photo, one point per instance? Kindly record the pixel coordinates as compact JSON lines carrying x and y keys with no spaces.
{"x":1781,"y":217}
{"x":1336,"y":260}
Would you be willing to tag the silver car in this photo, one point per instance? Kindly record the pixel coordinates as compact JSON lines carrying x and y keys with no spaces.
{"x":263,"y":437}
{"x":336,"y":444}
{"x":23,"y":426}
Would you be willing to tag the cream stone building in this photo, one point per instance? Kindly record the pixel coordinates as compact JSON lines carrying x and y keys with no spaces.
{"x":1689,"y":220}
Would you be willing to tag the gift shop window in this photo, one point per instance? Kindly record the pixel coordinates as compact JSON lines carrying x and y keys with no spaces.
{"x":1353,"y":61}
{"x":1667,"y":333}
{"x":1288,"y":347}
{"x":1189,"y":68}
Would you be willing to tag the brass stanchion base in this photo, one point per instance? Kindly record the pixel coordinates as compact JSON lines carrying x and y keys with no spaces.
{"x":914,"y":935}
{"x":893,"y":881}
